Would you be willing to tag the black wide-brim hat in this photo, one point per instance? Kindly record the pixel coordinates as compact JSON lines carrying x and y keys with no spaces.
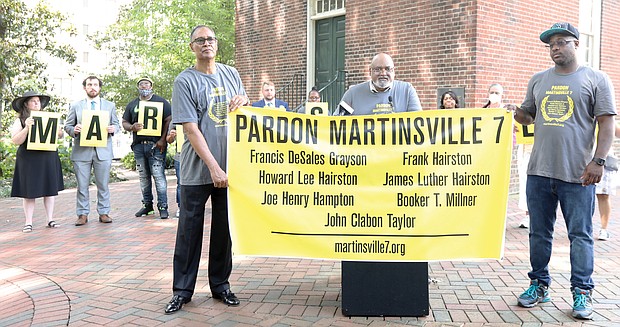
{"x":18,"y":103}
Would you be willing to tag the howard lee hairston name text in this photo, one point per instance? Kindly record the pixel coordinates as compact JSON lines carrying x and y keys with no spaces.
{"x":302,"y":178}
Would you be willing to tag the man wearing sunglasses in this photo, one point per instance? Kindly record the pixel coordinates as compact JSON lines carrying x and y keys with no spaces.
{"x":565,"y":103}
{"x":201,"y":99}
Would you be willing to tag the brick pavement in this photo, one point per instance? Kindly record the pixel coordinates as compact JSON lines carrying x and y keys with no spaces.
{"x":120,"y":274}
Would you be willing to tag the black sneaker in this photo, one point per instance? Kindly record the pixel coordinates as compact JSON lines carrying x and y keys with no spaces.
{"x":163,"y":213}
{"x":146,"y":210}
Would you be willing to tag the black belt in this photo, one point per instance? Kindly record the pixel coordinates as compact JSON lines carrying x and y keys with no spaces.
{"x":146,"y":142}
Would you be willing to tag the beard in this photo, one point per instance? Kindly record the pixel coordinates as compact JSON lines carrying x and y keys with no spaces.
{"x":563,"y":60}
{"x":93,"y":94}
{"x":382,"y":84}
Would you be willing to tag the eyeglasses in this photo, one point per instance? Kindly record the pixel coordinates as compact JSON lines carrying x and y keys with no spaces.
{"x":202,"y":40}
{"x":316,"y":99}
{"x":559,"y":43}
{"x":378,"y":70}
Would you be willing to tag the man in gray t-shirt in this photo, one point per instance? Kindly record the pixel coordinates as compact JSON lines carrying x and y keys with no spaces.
{"x":565,"y":103}
{"x":382,"y":94}
{"x":201,"y":99}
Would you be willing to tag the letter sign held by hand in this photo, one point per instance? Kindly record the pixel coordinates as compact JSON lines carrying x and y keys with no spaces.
{"x":151,"y":115}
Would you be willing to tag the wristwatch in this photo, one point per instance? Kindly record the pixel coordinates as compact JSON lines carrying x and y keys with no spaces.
{"x":599,"y":161}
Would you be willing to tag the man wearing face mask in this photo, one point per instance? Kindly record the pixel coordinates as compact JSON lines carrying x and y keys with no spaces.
{"x":496,"y":92}
{"x":524,"y":151}
{"x":382,"y":94}
{"x":149,"y":151}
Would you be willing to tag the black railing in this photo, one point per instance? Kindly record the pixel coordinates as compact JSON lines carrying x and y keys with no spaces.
{"x":334,"y":89}
{"x":294,"y":92}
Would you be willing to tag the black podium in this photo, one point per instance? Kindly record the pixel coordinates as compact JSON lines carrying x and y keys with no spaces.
{"x":397,"y":289}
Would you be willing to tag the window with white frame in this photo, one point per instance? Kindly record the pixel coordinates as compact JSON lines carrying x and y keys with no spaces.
{"x":323,"y":6}
{"x":590,"y":32}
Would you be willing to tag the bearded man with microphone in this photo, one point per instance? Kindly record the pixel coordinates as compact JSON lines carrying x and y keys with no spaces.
{"x":382,"y":94}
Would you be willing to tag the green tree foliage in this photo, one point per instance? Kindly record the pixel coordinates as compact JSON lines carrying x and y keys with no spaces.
{"x":151,"y":38}
{"x":26,"y":35}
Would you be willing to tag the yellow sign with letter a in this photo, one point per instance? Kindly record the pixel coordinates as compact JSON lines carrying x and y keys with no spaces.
{"x":95,"y":128}
{"x":43,"y":134}
{"x":416,"y":186}
{"x":151,"y":115}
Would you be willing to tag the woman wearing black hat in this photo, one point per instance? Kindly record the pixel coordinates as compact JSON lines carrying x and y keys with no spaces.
{"x":37,"y":173}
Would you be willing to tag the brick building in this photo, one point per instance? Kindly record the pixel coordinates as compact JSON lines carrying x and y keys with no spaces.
{"x":465,"y":45}
{"x":436,"y":45}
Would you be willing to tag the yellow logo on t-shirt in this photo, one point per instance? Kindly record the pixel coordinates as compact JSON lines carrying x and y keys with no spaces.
{"x":218,"y":107}
{"x":557,"y":106}
{"x":383,"y":108}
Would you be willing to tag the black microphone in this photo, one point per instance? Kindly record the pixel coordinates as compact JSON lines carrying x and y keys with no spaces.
{"x":345,"y":109}
{"x":390,"y":101}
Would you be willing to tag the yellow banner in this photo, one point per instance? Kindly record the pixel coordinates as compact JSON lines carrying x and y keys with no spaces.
{"x":151,"y":115}
{"x":317,"y":108}
{"x":417,"y":186}
{"x":180,"y":137}
{"x":525,"y":133}
{"x":43,"y":134}
{"x":94,"y":128}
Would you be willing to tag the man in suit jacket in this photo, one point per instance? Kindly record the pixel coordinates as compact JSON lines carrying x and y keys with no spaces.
{"x":85,"y":157}
{"x":269,"y":98}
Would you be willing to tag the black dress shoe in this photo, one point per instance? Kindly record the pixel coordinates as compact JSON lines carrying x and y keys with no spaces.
{"x":227,"y":297}
{"x":176,"y":304}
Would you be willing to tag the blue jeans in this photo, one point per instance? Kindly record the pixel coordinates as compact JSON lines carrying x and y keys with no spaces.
{"x":177,"y":171}
{"x":150,"y":162}
{"x":577,"y":205}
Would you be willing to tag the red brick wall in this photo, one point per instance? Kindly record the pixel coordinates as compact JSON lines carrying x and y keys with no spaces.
{"x":509,"y":48}
{"x":431,"y":42}
{"x":434,"y":44}
{"x":271,"y":42}
{"x":610,"y":47}
{"x":610,"y":51}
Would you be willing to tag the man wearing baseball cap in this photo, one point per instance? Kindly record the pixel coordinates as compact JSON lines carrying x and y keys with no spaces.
{"x":149,"y":151}
{"x":565,"y":103}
